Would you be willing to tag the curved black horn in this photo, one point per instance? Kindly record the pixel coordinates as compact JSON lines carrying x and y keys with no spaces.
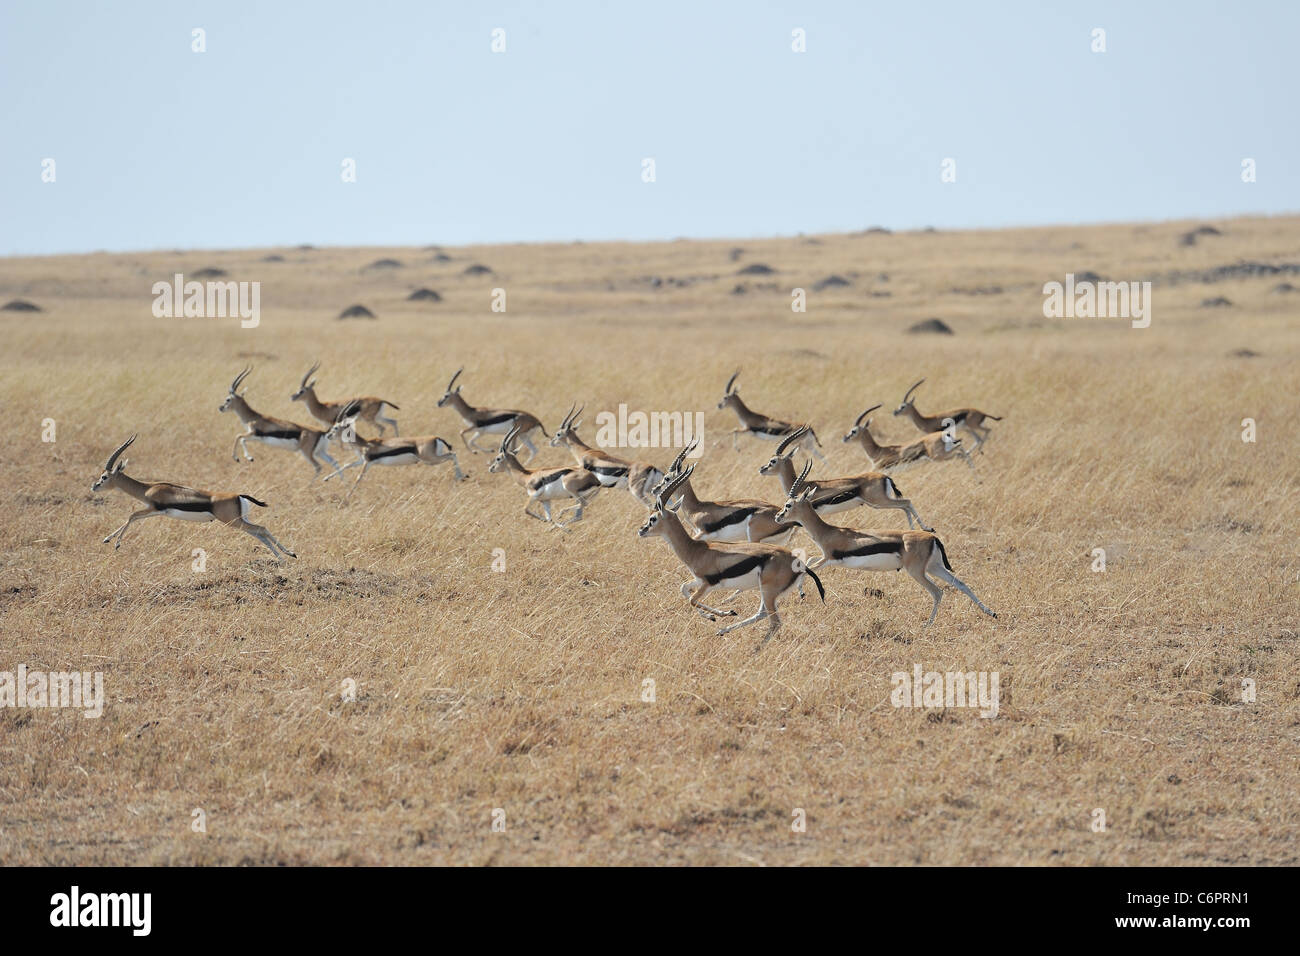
{"x":912,"y":389}
{"x":454,"y":377}
{"x":120,"y":448}
{"x":798,"y":482}
{"x":310,"y":372}
{"x":731,"y":381}
{"x":791,"y":438}
{"x":239,"y":378}
{"x":670,"y":489}
{"x":858,"y":423}
{"x":509,"y":439}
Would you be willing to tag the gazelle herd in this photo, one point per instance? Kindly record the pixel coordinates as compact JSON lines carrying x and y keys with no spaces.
{"x":742,"y":544}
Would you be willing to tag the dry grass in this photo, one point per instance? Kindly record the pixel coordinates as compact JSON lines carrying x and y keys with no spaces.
{"x":521,"y":690}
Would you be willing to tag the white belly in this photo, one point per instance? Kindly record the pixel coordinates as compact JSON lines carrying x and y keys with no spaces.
{"x":187,"y":515}
{"x":732,"y":532}
{"x":279,"y":442}
{"x":842,"y":506}
{"x":872,"y":562}
{"x":396,"y":460}
{"x":745,"y":582}
{"x":498,"y":428}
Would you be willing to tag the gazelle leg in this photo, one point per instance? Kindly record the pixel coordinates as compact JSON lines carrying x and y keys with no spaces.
{"x":455,"y":463}
{"x":381,"y":422}
{"x":912,"y":513}
{"x":264,"y":536}
{"x":135,"y":516}
{"x":528,"y":510}
{"x":465,"y":432}
{"x":240,"y":446}
{"x":918,"y":573}
{"x":324,"y":453}
{"x":702,"y":588}
{"x":943,"y":574}
{"x":764,"y":611}
{"x":734,"y":433}
{"x":339,"y":471}
{"x":355,"y":483}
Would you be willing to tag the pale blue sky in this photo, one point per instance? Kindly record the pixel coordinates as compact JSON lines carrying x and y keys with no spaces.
{"x":158,"y":147}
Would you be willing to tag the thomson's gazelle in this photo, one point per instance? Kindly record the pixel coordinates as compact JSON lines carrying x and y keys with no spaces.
{"x":917,"y":552}
{"x":309,"y":442}
{"x":545,"y":485}
{"x":638,"y":477}
{"x":188,"y":504}
{"x":372,"y":409}
{"x":489,"y":421}
{"x":760,"y":426}
{"x":971,"y":419}
{"x":766,"y":568}
{"x":427,"y":449}
{"x":870,"y":488}
{"x":936,"y":446}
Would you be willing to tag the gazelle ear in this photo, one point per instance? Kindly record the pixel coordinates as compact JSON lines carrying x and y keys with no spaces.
{"x":121,"y":465}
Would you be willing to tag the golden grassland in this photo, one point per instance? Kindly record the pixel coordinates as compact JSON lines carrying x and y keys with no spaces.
{"x":522,"y":690}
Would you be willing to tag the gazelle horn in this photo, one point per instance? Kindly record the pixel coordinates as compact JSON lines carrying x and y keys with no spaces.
{"x":791,"y":438}
{"x":858,"y":423}
{"x":239,"y":378}
{"x":799,"y":482}
{"x":310,"y":372}
{"x":670,"y":489}
{"x":911,"y":390}
{"x":454,"y":377}
{"x":120,"y":448}
{"x":731,"y":381}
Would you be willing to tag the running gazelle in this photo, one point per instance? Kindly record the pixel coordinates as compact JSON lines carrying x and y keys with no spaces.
{"x":919,"y":553}
{"x":426,"y":449}
{"x":971,"y":419}
{"x":936,"y":446}
{"x":734,"y":519}
{"x":372,"y":409}
{"x":760,"y":426}
{"x":545,"y":485}
{"x":311,"y":443}
{"x":489,"y":421}
{"x":870,"y":488}
{"x":766,"y":568}
{"x":637,"y":477}
{"x":177,"y":501}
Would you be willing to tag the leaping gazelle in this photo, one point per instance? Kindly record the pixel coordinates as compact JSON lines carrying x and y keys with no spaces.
{"x":919,"y":553}
{"x":372,"y":409}
{"x":638,"y":477}
{"x":735,"y":519}
{"x":936,"y":446}
{"x":489,"y":421}
{"x":311,"y":443}
{"x":765,"y":568}
{"x":971,"y":419}
{"x":545,"y":485}
{"x":188,"y":504}
{"x":871,"y":488}
{"x":760,"y":426}
{"x":427,"y":449}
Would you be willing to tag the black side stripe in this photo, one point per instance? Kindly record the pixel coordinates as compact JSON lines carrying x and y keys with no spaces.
{"x":497,"y":419}
{"x":616,"y":471}
{"x":195,"y":505}
{"x":876,"y":547}
{"x":292,"y":434}
{"x":836,"y":499}
{"x":727,"y":520}
{"x":739,"y":569}
{"x":390,"y":452}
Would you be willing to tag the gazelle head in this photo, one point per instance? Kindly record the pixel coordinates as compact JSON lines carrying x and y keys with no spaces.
{"x":861,"y":423}
{"x":344,"y":428}
{"x":305,"y":386}
{"x":569,"y":425}
{"x":800,"y":497}
{"x":663,"y":497}
{"x":446,"y":396}
{"x":234,"y":387}
{"x":730,"y":396}
{"x":507,"y":449}
{"x":907,"y":399}
{"x":784,"y":451}
{"x":109,"y":471}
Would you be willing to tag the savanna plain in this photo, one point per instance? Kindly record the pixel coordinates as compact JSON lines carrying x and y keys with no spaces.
{"x":521,"y":690}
